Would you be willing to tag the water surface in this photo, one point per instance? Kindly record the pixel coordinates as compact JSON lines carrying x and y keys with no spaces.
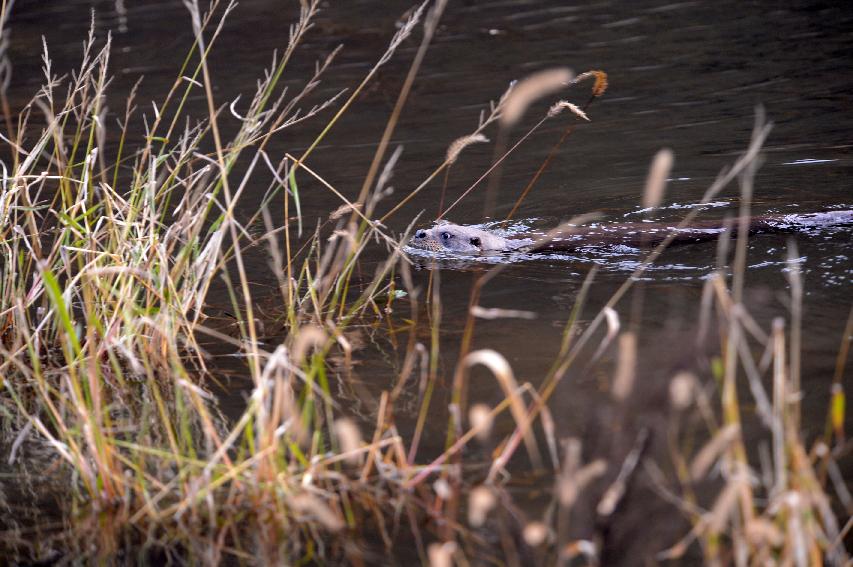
{"x":683,"y":75}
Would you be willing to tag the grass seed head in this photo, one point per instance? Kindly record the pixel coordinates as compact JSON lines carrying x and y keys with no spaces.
{"x":481,"y":501}
{"x":441,"y":554}
{"x":312,"y":506}
{"x":459,"y":144}
{"x":656,"y":181}
{"x":600,"y":85}
{"x":349,"y":438}
{"x":531,"y":89}
{"x":562,"y":105}
{"x":681,"y":390}
{"x":480,"y":418}
{"x":623,"y":381}
{"x":535,"y":534}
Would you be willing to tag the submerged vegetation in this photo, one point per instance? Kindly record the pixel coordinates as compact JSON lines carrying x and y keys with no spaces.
{"x":106,"y":265}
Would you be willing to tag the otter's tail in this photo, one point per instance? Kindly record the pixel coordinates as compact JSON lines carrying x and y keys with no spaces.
{"x":652,"y":234}
{"x":804,"y":222}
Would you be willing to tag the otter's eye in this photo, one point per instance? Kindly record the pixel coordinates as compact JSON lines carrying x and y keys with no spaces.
{"x":446,"y":235}
{"x":475,"y":241}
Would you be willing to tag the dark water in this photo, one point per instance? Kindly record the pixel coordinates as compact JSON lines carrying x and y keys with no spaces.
{"x":683,"y":75}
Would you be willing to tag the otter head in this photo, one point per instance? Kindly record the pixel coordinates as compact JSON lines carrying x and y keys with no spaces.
{"x":448,"y":237}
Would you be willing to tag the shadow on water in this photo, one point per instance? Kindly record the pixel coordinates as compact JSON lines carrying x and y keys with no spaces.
{"x":683,"y":75}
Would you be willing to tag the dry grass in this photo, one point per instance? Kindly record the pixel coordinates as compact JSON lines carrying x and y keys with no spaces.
{"x":105,"y":278}
{"x":107,"y":264}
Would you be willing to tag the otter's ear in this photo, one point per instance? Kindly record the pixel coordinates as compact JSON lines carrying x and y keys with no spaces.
{"x":475,"y":241}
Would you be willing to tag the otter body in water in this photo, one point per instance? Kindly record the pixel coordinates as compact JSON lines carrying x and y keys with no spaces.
{"x":461,"y":239}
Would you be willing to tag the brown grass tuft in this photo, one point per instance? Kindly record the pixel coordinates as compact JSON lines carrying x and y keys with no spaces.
{"x":600,"y":85}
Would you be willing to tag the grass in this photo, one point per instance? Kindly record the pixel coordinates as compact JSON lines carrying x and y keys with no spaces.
{"x":107,"y":264}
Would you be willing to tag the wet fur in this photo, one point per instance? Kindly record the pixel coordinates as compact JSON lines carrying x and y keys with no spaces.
{"x":462,"y":239}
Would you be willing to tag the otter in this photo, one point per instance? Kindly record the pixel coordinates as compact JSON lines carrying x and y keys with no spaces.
{"x":461,"y":239}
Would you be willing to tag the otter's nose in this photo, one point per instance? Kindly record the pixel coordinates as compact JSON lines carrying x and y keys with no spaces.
{"x":420,"y":234}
